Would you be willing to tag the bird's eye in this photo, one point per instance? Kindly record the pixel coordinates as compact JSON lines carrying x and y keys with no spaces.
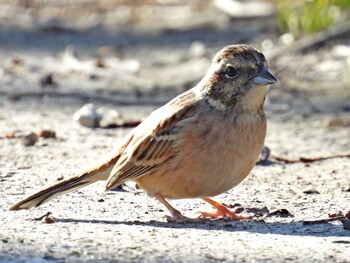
{"x":231,"y":72}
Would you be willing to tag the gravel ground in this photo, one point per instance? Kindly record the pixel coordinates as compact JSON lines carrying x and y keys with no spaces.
{"x":129,"y":226}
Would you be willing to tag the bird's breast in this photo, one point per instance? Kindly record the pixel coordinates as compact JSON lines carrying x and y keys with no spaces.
{"x":214,"y":154}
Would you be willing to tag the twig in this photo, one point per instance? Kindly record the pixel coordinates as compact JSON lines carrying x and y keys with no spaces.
{"x":311,"y":41}
{"x":115,"y":99}
{"x":322,"y":221}
{"x":310,"y":160}
{"x":41,"y":217}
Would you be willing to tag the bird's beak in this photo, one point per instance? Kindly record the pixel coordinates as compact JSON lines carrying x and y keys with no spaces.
{"x":264,"y":77}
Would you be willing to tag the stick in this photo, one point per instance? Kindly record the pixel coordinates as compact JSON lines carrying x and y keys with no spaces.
{"x":322,"y":221}
{"x":311,"y":41}
{"x":310,"y":160}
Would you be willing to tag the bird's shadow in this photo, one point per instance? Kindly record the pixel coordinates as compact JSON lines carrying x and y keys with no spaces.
{"x":295,"y":228}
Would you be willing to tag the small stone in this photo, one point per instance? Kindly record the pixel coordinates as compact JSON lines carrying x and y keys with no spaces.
{"x":75,"y":253}
{"x":109,"y":117}
{"x":47,"y":81}
{"x":265,"y":154}
{"x":29,"y":139}
{"x":48,"y":220}
{"x":60,"y":178}
{"x":286,"y":39}
{"x":88,"y":116}
{"x":311,"y":190}
{"x":239,"y":210}
{"x":267,"y":45}
{"x":346,"y":224}
{"x":281,"y":213}
{"x":257,"y":211}
{"x":341,"y":51}
{"x":16,"y":60}
{"x":197,"y":49}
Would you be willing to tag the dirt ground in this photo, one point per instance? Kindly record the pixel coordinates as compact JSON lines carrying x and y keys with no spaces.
{"x":308,"y":116}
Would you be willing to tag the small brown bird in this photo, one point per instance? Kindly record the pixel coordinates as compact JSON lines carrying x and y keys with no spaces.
{"x":200,"y":144}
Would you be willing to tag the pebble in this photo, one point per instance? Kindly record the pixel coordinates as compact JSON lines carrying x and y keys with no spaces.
{"x":346,"y":224}
{"x":286,"y":39}
{"x":265,"y":154}
{"x":29,"y":139}
{"x":88,"y":116}
{"x":47,"y":81}
{"x":197,"y":50}
{"x":341,"y":51}
{"x":311,"y":190}
{"x":108,"y":117}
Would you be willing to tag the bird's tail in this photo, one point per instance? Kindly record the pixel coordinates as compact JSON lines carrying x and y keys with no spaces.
{"x":66,"y":186}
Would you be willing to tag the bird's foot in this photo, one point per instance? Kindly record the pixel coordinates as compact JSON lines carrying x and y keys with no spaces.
{"x":177,"y":217}
{"x":221,"y":211}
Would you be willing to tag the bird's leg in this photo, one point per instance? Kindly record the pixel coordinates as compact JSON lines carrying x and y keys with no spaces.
{"x":176,"y":214}
{"x":221,"y":211}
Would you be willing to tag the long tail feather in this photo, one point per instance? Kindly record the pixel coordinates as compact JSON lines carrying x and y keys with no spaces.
{"x":66,"y":186}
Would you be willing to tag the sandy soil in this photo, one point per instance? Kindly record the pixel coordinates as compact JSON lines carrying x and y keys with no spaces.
{"x":129,"y":226}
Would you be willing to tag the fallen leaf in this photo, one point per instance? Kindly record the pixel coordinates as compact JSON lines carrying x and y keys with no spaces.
{"x":337,"y":122}
{"x":46,"y":133}
{"x":48,"y":220}
{"x":340,"y":213}
{"x":10,"y":135}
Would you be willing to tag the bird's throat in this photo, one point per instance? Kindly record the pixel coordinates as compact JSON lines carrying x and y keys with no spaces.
{"x":253,"y":100}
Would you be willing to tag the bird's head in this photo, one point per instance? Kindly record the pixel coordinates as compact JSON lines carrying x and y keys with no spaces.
{"x":237,"y":79}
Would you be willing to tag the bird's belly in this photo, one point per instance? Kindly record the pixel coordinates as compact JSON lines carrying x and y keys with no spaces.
{"x":207,"y":169}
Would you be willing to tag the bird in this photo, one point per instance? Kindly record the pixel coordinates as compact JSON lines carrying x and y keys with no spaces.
{"x":200,"y":144}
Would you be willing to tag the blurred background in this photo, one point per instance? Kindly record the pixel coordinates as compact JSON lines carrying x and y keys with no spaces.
{"x":125,"y":58}
{"x":111,"y":48}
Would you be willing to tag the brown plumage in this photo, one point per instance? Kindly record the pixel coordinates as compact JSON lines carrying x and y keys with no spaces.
{"x":202,"y":143}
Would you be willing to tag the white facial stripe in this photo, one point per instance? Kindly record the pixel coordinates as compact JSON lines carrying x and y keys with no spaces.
{"x":216,"y":104}
{"x":217,"y":68}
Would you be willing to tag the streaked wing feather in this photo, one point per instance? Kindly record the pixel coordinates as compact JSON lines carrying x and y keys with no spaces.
{"x":153,"y":141}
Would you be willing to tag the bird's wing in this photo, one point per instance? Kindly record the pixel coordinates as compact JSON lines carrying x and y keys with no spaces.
{"x":152,"y":142}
